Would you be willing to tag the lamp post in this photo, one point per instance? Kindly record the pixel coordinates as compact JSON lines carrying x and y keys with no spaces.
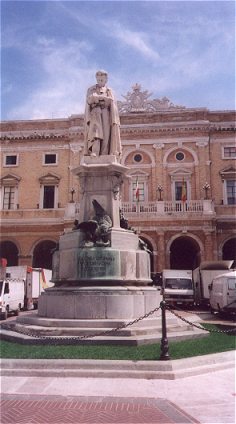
{"x":206,"y":188}
{"x":159,"y":190}
{"x":164,"y":340}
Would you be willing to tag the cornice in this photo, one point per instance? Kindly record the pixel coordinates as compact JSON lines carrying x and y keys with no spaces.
{"x":5,"y":222}
{"x":126,"y":129}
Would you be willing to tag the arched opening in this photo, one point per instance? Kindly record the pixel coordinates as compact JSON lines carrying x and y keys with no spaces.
{"x":9,"y":251}
{"x":184,"y":253}
{"x":229,"y":251}
{"x":42,"y":256}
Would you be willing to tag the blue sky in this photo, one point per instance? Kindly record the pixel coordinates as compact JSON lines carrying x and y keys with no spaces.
{"x":184,"y":50}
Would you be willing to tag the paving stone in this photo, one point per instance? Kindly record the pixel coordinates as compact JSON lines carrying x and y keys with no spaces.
{"x":30,"y":409}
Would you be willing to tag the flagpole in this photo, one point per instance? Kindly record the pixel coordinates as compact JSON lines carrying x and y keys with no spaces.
{"x":137,"y":200}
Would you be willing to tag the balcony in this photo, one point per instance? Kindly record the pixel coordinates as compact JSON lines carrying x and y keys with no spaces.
{"x":131,"y":210}
{"x":166,"y":208}
{"x":149,"y":210}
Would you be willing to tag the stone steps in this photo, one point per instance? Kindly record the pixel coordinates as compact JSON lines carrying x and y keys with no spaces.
{"x":128,"y":340}
{"x":34,"y":329}
{"x":80,"y":331}
{"x":157,"y":369}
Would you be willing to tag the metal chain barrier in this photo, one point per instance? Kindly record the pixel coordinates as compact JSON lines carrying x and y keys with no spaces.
{"x":196,"y":325}
{"x":10,"y":327}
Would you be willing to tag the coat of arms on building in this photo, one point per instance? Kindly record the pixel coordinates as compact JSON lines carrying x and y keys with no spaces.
{"x":139,"y":101}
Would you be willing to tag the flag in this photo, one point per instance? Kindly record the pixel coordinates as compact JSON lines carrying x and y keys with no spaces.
{"x":137,"y":191}
{"x":184,"y":192}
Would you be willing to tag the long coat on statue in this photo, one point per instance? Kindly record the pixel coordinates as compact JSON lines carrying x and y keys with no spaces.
{"x":102,"y":121}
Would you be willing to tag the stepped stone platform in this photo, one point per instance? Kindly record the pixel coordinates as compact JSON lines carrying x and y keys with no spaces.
{"x":33,"y":329}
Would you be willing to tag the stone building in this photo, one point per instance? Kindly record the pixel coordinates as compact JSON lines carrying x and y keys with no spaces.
{"x":180,"y":196}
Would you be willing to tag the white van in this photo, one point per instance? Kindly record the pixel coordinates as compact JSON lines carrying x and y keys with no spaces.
{"x":223,"y":293}
{"x":177,"y":286}
{"x":12,"y":293}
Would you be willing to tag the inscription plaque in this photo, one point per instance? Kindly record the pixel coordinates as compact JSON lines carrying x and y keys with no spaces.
{"x":98,"y":263}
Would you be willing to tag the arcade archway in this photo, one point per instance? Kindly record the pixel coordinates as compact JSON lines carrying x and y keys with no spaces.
{"x":229,"y":251}
{"x":184,"y":253}
{"x":10,"y":252}
{"x":42,"y":255}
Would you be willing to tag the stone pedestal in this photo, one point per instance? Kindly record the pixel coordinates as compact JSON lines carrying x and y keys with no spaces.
{"x":123,"y":262}
{"x":99,"y":282}
{"x":101,"y":179}
{"x":93,"y":303}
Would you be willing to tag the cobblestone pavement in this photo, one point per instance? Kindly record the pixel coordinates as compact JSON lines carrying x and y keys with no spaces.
{"x":92,"y":410}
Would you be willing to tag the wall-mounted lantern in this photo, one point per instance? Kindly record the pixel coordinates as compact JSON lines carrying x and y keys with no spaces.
{"x":72,"y":192}
{"x":206,"y":188}
{"x":159,"y":191}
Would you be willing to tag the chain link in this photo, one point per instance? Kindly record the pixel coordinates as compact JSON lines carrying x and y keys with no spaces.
{"x":196,"y":325}
{"x":10,"y":327}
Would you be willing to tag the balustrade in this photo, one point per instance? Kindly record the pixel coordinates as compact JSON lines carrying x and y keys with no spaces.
{"x":129,"y":209}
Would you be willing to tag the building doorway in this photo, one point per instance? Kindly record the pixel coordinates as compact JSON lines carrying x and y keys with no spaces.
{"x":184,"y":253}
{"x":9,"y":251}
{"x":42,"y":256}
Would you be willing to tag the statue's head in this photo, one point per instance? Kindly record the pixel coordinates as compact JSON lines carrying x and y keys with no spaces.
{"x":102,"y":77}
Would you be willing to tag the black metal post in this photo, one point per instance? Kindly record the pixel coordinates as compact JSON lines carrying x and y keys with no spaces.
{"x":164,"y":341}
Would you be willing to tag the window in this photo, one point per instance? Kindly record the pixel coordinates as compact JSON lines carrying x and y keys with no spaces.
{"x":179,"y":156}
{"x":230,"y":152}
{"x":9,"y":191}
{"x":231,"y":192}
{"x":49,"y":191}
{"x":231,"y":283}
{"x":11,"y":160}
{"x":9,"y":198}
{"x":50,"y":159}
{"x":6,"y":288}
{"x":138,"y":191}
{"x":180,"y":190}
{"x":49,"y":197}
{"x":138,"y":157}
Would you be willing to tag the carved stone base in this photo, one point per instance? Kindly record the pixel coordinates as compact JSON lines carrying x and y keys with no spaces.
{"x":98,"y":302}
{"x":122,"y":263}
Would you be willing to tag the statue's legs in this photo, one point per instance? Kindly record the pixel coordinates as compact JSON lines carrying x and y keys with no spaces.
{"x":106,"y":125}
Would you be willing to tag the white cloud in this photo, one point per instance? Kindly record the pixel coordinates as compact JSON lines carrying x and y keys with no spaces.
{"x":134,"y":39}
{"x":137,"y":40}
{"x":62,"y":88}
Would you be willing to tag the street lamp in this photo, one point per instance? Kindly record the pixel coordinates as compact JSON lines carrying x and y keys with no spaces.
{"x":159,"y":190}
{"x":206,"y":188}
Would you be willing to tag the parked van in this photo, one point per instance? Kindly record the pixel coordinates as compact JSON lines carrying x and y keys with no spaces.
{"x":36,"y":281}
{"x":223,"y":293}
{"x":177,"y":286}
{"x":203,"y":277}
{"x":12,"y":293}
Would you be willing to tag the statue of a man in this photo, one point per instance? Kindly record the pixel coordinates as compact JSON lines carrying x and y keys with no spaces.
{"x":102,"y":122}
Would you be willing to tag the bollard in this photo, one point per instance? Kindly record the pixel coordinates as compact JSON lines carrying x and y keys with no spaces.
{"x":164,"y":341}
